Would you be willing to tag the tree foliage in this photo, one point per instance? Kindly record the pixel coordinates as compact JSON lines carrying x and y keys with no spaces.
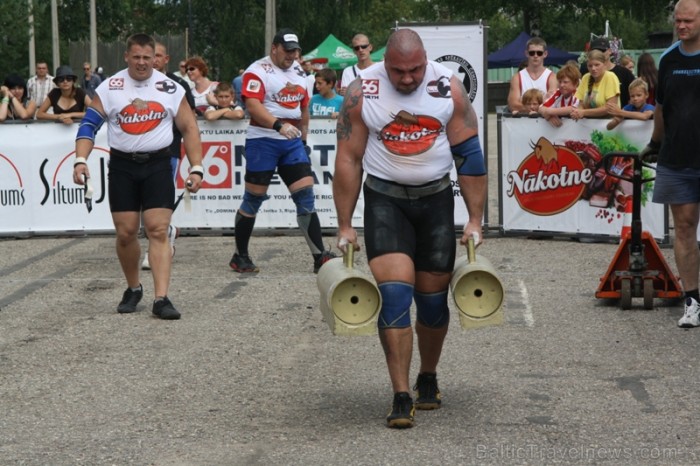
{"x":231,"y":34}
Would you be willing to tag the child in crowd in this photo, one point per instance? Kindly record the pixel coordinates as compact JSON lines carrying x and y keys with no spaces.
{"x":598,"y":87}
{"x":636,"y":109}
{"x":326,"y":102}
{"x":531,"y":100}
{"x":226,"y":107}
{"x":564,"y":100}
{"x":627,"y":62}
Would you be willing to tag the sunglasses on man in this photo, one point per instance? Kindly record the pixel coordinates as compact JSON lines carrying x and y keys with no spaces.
{"x":357,"y":48}
{"x":532,"y":53}
{"x":64,"y":78}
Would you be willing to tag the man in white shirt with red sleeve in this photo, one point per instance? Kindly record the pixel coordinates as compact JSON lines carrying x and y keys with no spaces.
{"x":274,"y":90}
{"x":140,"y":105}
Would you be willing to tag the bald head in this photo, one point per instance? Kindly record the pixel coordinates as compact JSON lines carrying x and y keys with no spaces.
{"x":404,"y":41}
{"x":687,"y":24}
{"x":405,"y":60}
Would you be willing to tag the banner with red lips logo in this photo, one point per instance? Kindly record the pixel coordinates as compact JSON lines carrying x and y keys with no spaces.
{"x":141,"y":116}
{"x":289,"y":96}
{"x":409,"y":134}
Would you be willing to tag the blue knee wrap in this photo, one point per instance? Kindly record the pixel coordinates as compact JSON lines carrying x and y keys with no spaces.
{"x":396,"y":305}
{"x":304,"y":200}
{"x":252,"y":202}
{"x":431,"y":309}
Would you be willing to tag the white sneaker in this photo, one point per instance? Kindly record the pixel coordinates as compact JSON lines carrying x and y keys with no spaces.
{"x":173,"y":232}
{"x":145,"y":265}
{"x":691,"y":316}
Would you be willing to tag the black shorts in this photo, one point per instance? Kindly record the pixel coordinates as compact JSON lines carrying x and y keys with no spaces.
{"x":423,"y":229}
{"x":137,"y":186}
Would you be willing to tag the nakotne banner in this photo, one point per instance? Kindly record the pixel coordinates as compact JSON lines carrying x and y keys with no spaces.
{"x":551,"y":179}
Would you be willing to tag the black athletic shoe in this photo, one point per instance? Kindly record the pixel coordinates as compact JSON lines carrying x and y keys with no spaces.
{"x":401,"y":415}
{"x":427,"y":392}
{"x":243,"y":264}
{"x":165,"y":310}
{"x":325,"y":257}
{"x":129,"y":300}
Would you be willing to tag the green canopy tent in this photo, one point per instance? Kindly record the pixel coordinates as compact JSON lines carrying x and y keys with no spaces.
{"x":378,"y":55}
{"x":338,"y":54}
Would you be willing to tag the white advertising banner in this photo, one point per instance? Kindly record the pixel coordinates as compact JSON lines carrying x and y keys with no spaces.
{"x":37,"y":193}
{"x":549,"y":182}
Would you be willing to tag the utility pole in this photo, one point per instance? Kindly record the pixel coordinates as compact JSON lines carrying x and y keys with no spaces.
{"x":54,"y":35}
{"x":93,"y":35}
{"x":270,"y":23}
{"x":32,"y":45}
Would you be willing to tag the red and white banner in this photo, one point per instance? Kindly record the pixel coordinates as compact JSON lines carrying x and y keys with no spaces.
{"x":549,"y":183}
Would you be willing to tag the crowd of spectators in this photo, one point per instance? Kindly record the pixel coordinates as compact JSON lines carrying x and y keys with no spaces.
{"x":600,"y":89}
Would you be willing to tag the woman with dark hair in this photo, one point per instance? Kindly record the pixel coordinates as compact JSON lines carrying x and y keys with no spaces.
{"x":646,"y":69}
{"x":203,"y":90}
{"x":67,"y":101}
{"x":14,"y":102}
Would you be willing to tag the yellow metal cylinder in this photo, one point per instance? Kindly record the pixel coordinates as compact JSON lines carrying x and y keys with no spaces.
{"x":476,"y":290}
{"x":350,"y":301}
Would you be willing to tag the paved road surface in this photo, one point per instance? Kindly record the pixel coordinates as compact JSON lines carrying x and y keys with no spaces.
{"x":252,"y":375}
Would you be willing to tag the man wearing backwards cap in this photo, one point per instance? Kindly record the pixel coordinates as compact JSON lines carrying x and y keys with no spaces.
{"x":274,"y":90}
{"x":624,"y":75}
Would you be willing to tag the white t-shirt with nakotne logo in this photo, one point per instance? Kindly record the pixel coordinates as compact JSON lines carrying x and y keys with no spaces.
{"x":282,"y":92}
{"x":140,"y":114}
{"x":407,"y":141}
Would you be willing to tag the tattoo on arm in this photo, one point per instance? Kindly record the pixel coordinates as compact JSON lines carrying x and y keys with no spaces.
{"x":353,"y":94}
{"x":470,"y":120}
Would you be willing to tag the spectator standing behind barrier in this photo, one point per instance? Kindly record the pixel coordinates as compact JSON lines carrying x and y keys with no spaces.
{"x":90,"y":80}
{"x":308,"y":67}
{"x":326,"y":102}
{"x":363,"y":50}
{"x":67,"y":101}
{"x":598,"y":87}
{"x":646,"y":69}
{"x":409,"y":203}
{"x":534,"y":76}
{"x":676,"y":141}
{"x":182,"y":73}
{"x":226,"y":107}
{"x":14,"y":103}
{"x":274,"y":89}
{"x":202,"y":91}
{"x":637,"y":109}
{"x":531,"y":100}
{"x":160,"y":63}
{"x":627,"y":62}
{"x":564,"y":100}
{"x":39,"y":85}
{"x":237,"y":84}
{"x":140,"y":176}
{"x":624,"y":76}
{"x":99,"y":71}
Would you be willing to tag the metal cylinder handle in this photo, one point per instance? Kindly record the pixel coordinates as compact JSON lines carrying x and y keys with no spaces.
{"x":471,"y":247}
{"x":348,"y":257}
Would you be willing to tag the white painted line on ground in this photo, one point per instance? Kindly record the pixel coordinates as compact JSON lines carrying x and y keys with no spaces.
{"x":527,"y":310}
